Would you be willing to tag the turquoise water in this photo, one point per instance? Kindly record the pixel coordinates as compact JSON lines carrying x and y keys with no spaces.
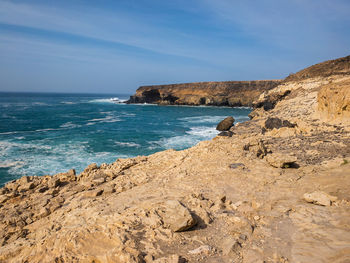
{"x":51,"y":133}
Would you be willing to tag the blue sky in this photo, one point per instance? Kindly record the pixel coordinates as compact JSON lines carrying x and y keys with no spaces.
{"x":116,"y":46}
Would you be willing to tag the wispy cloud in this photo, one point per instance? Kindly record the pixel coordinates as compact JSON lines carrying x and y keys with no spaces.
{"x":104,"y":25}
{"x":166,"y":41}
{"x":295,"y":25}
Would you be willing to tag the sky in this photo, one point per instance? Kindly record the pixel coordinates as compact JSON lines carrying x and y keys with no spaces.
{"x":115,"y":46}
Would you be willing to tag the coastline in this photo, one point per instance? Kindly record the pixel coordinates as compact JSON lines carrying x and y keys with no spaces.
{"x":224,"y":93}
{"x":276,"y":189}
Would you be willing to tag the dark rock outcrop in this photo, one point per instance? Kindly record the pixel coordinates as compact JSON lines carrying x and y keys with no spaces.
{"x":225,"y":124}
{"x":277,"y":123}
{"x":270,"y":101}
{"x":226,"y":93}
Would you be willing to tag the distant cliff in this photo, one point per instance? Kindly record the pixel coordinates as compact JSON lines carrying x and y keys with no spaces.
{"x":227,"y":93}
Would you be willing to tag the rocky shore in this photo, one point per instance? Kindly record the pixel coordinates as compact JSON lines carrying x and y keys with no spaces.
{"x":273,"y":189}
{"x":226,"y":93}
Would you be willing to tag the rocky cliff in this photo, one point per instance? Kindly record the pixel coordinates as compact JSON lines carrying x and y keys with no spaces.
{"x":274,"y":189}
{"x":228,"y":93}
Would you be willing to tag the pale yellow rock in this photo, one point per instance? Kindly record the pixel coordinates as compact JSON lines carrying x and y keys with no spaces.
{"x":205,"y":249}
{"x":176,"y":216}
{"x":280,"y":160}
{"x":319,"y":198}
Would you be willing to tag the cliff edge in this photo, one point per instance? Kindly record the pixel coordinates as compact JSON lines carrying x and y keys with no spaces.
{"x":227,"y":93}
{"x":272,"y":189}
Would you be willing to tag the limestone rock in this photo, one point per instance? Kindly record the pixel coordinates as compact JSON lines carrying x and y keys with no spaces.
{"x":91,"y":167}
{"x":3,"y":199}
{"x":226,"y":133}
{"x":225,"y":124}
{"x":257,"y":146}
{"x":319,"y":198}
{"x":229,"y":245}
{"x":205,"y":249}
{"x":170,"y":259}
{"x":176,"y":216}
{"x":280,"y":160}
{"x":334,"y":101}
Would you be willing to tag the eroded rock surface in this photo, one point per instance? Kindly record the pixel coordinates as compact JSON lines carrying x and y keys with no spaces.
{"x":219,"y":201}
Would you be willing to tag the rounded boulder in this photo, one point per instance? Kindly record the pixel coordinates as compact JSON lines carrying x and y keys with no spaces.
{"x":225,"y":124}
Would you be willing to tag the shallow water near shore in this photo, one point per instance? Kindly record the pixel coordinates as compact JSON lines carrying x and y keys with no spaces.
{"x":51,"y":133}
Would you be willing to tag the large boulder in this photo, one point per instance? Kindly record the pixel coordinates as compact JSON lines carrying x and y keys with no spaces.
{"x":280,"y":160}
{"x":176,"y":216}
{"x":225,"y":124}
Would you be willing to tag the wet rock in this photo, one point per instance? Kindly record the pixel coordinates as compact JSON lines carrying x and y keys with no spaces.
{"x":319,"y":198}
{"x":279,"y":160}
{"x":225,"y":124}
{"x":176,"y":216}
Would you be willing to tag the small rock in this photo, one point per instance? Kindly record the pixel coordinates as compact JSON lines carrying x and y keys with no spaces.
{"x":43,"y":212}
{"x":91,"y":167}
{"x":257,"y":146}
{"x":226,"y":133}
{"x":279,"y":160}
{"x":236,"y":165}
{"x":222,"y":198}
{"x":171,"y":259}
{"x":255,"y":204}
{"x":93,"y":193}
{"x":277,"y":123}
{"x":229,"y":245}
{"x":225,"y":124}
{"x":319,"y":198}
{"x":71,"y":172}
{"x":3,"y":199}
{"x":177,"y":216}
{"x":202,"y":249}
{"x":28,"y":220}
{"x":109,"y":189}
{"x":54,"y":182}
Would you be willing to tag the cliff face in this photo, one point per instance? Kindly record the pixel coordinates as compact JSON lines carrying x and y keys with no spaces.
{"x":228,"y":93}
{"x":334,"y":101}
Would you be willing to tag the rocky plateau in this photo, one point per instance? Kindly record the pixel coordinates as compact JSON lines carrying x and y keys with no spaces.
{"x":272,"y":189}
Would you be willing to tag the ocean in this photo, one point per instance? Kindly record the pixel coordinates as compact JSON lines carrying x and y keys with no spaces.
{"x":42,"y":133}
